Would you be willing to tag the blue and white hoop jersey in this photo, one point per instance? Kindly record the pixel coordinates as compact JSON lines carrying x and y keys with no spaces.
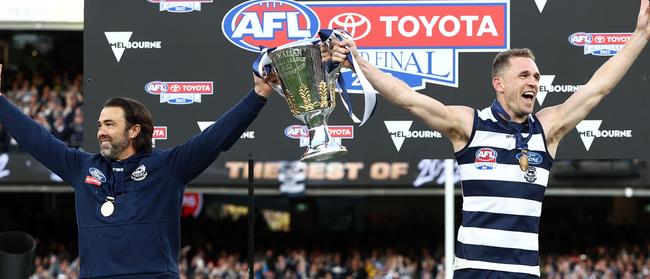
{"x":501,"y":203}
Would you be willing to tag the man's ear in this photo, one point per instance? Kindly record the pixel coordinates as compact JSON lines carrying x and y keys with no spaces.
{"x":497,"y":83}
{"x":134,"y":131}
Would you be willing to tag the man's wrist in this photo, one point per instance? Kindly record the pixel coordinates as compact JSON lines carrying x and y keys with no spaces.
{"x":261,"y":91}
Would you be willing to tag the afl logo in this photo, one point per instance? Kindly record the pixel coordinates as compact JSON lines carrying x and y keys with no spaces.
{"x":357,"y":25}
{"x":269,"y":23}
{"x":296,"y":132}
{"x":156,"y":87}
{"x":485,"y":159}
{"x":580,"y":39}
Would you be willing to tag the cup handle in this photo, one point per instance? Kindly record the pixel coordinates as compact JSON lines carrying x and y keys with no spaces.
{"x":332,"y":68}
{"x":368,"y":91}
{"x":263,"y":69}
{"x":262,"y":65}
{"x":277,"y":87}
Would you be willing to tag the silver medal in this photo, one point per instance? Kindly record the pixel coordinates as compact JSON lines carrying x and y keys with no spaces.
{"x":108,"y":207}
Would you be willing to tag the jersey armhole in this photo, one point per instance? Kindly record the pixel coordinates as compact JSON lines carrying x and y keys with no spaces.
{"x":471,"y":136}
{"x":541,"y":130}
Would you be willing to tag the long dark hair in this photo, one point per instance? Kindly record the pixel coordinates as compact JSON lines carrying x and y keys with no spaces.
{"x":136,"y":113}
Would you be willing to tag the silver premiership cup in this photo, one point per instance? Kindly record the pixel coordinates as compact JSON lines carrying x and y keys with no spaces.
{"x":310,"y":92}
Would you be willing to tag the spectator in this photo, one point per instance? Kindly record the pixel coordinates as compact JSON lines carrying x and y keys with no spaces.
{"x":43,"y":101}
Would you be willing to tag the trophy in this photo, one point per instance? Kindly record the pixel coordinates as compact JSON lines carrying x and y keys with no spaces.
{"x":309,"y":87}
{"x":309,"y":90}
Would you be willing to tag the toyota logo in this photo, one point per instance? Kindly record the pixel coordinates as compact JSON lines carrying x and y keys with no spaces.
{"x":357,"y":25}
{"x":175,"y":88}
{"x":599,"y":39}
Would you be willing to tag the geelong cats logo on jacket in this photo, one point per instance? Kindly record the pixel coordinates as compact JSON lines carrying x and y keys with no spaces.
{"x":140,"y":173}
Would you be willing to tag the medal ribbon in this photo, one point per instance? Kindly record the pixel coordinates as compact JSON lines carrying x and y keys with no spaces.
{"x":516,"y":128}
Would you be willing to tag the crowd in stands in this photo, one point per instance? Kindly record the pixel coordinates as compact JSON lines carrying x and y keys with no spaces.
{"x":53,"y":100}
{"x":628,"y":262}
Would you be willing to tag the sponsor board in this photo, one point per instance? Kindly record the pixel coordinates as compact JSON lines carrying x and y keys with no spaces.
{"x":323,"y":171}
{"x":179,"y":6}
{"x":590,"y":130}
{"x":159,"y":133}
{"x":180,"y":92}
{"x":599,"y":44}
{"x":416,"y":41}
{"x":546,"y":86}
{"x":401,"y":130}
{"x":433,"y":170}
{"x":301,"y":133}
{"x":250,"y":134}
{"x":121,"y":41}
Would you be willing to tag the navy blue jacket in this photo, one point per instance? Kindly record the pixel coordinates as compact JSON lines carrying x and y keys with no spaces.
{"x":141,"y":239}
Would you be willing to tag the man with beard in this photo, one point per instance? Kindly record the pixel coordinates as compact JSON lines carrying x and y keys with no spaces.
{"x":128,"y":198}
{"x":504,"y":151}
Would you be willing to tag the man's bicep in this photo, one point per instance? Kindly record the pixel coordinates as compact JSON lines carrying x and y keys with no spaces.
{"x":561,"y":119}
{"x":452,"y":121}
{"x":429,"y":110}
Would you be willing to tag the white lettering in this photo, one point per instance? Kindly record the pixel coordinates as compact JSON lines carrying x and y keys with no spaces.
{"x":293,"y":29}
{"x":448,"y":26}
{"x":196,"y":87}
{"x":251,"y":25}
{"x":389,"y":24}
{"x":429,"y":24}
{"x":469,"y":23}
{"x":560,"y":88}
{"x":340,"y":132}
{"x":4,"y":161}
{"x":247,"y":26}
{"x":608,"y":134}
{"x":433,"y":170}
{"x":443,"y":26}
{"x":140,"y":44}
{"x":417,"y":134}
{"x":618,"y":39}
{"x":270,"y":23}
{"x":248,"y":135}
{"x":402,"y":26}
{"x":487,"y":26}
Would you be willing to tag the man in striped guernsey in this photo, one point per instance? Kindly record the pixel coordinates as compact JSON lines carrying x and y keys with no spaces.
{"x":504,"y":151}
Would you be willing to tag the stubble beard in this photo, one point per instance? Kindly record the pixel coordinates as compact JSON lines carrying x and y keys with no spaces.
{"x":115,"y":150}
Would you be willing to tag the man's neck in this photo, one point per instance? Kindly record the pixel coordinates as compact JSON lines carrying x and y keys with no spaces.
{"x":127,"y":153}
{"x":514,"y":118}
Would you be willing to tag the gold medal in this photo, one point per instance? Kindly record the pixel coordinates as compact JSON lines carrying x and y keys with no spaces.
{"x":523,"y":160}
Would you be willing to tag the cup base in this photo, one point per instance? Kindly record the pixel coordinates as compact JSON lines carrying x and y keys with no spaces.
{"x":323,"y":153}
